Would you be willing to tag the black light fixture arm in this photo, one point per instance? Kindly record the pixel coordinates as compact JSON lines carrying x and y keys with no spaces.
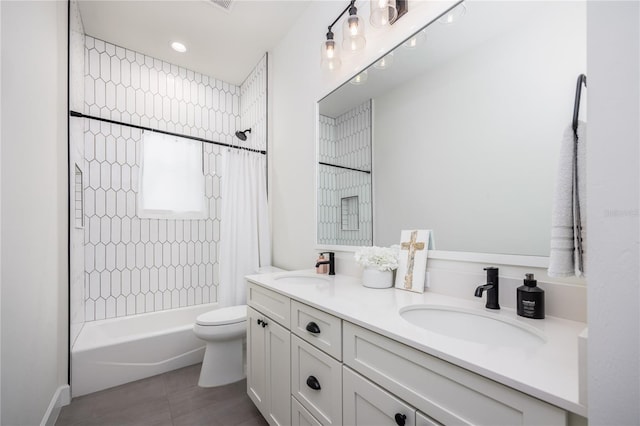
{"x":351,"y":4}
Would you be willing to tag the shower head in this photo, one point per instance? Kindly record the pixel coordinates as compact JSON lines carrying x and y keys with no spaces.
{"x":242,"y":135}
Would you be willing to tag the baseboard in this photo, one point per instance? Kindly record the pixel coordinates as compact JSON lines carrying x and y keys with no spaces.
{"x":60,"y":398}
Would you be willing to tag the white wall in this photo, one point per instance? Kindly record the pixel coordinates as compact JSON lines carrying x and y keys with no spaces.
{"x":298,"y":83}
{"x":613,"y":189}
{"x":34,"y":208}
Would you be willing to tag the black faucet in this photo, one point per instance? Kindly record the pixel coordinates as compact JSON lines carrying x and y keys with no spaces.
{"x":492,"y":288}
{"x":331,"y":262}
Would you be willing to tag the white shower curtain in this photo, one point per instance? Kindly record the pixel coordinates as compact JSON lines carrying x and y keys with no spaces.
{"x":244,"y":228}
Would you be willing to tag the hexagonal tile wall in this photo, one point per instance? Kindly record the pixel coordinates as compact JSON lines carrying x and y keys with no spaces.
{"x":135,"y":265}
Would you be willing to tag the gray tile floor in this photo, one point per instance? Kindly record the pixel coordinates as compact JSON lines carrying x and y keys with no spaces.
{"x":172,"y":398}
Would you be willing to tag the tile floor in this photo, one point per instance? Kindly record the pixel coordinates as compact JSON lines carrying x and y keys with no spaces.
{"x":172,"y":398}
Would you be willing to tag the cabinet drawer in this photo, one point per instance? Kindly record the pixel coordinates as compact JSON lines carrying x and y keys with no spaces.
{"x":319,"y":328}
{"x":316,"y":382}
{"x":445,"y":392}
{"x":422,"y":420}
{"x":300,"y":416}
{"x":366,"y":404}
{"x":269,"y":303}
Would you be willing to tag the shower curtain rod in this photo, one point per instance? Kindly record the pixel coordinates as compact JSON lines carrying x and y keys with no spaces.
{"x":343,"y":167}
{"x":135,"y":126}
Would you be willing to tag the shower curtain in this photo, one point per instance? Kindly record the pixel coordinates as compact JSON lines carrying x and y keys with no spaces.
{"x":244,"y":228}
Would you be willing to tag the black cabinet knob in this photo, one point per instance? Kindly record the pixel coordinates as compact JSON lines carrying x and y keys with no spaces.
{"x":400,"y":419}
{"x":259,"y":321}
{"x":312,"y":327}
{"x":264,"y":324}
{"x":313,"y":383}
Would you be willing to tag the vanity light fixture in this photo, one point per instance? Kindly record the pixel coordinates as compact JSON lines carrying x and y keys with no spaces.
{"x":360,"y":78}
{"x":453,"y":14}
{"x":353,"y":38}
{"x":353,"y":30}
{"x":386,"y":12}
{"x":385,"y":62}
{"x":178,"y":47}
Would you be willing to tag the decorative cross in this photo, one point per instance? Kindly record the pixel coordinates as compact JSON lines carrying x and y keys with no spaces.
{"x":412,"y":246}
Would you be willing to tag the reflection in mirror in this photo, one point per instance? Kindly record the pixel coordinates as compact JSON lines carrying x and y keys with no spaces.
{"x":466,"y":128}
{"x":344,"y":172}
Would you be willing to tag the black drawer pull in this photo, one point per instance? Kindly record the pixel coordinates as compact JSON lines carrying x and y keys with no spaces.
{"x":313,"y":383}
{"x":259,"y":321}
{"x":264,"y":324}
{"x":312,"y":327}
{"x":400,"y":419}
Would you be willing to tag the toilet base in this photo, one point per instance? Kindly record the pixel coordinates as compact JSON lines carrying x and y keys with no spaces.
{"x":223,"y":363}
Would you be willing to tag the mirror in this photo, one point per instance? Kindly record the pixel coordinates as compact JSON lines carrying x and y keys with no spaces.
{"x":458,"y":133}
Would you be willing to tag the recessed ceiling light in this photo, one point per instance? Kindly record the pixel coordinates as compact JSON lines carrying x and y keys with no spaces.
{"x":178,"y":47}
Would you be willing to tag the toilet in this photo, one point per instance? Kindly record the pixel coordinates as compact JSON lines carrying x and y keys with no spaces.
{"x":224,"y":330}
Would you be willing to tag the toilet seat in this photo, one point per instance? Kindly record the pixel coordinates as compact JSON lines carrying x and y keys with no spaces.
{"x":223,"y":316}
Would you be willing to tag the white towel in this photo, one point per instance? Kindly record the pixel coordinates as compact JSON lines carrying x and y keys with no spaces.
{"x":568,"y":243}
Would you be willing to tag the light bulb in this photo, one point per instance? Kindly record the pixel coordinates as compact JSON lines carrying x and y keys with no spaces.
{"x":330,"y":54}
{"x":360,"y":78}
{"x":417,"y":39}
{"x":353,"y":26}
{"x":353,"y":31}
{"x":384,"y":62}
{"x":453,"y":15}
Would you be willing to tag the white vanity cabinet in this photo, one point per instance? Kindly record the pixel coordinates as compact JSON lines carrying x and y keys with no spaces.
{"x":269,"y":356}
{"x":311,"y":367}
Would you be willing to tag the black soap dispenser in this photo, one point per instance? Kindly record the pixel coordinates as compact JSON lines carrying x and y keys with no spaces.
{"x":530,"y":299}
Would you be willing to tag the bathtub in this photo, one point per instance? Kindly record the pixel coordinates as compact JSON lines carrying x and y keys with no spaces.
{"x":116,"y":351}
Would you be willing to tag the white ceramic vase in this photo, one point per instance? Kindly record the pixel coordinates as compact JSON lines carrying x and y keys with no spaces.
{"x":373,"y":278}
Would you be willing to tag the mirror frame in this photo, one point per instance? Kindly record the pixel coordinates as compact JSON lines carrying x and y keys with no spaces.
{"x":459,"y":256}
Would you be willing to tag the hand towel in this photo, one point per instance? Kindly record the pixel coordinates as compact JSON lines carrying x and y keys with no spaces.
{"x":568,"y":249}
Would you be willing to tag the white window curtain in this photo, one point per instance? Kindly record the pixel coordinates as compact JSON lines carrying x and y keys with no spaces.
{"x":245,"y":243}
{"x":171,"y":180}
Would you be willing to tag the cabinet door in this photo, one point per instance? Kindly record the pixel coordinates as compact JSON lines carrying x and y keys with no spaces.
{"x":277,"y":350}
{"x":256,"y":360}
{"x":366,"y":404}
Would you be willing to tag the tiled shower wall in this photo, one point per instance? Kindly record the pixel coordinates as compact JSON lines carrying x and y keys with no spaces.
{"x":137,"y":265}
{"x":345,"y":141}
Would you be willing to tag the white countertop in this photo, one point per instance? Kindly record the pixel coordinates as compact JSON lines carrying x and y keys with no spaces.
{"x":548,"y":371}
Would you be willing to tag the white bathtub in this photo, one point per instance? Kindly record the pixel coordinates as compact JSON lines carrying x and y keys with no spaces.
{"x":115,"y":351}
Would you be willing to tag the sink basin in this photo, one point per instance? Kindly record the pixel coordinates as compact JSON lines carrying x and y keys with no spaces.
{"x":472,"y":325}
{"x":301,"y":279}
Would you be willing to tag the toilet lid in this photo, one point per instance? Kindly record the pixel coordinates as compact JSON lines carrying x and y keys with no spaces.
{"x":222,"y":316}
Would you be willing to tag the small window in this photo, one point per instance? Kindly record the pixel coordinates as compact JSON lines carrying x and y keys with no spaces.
{"x":171,"y":178}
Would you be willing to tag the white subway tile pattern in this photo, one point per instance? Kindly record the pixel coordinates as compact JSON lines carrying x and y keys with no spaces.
{"x":137,"y":265}
{"x":345,"y":141}
{"x":253,"y":106}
